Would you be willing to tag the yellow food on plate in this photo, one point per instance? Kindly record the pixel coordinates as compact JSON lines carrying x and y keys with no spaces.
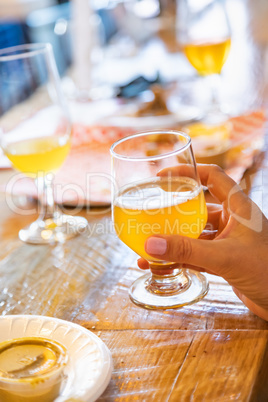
{"x":31,"y":369}
{"x":211,"y":142}
{"x":157,"y":106}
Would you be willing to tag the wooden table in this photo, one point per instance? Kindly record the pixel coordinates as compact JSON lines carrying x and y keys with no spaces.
{"x":215,"y":350}
{"x":212,"y":351}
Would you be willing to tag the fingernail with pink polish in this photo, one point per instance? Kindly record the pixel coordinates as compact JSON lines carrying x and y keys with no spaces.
{"x":156,"y":245}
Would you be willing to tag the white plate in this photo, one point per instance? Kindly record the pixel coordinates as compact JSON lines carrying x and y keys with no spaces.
{"x":89,"y":368}
{"x":183,"y":115}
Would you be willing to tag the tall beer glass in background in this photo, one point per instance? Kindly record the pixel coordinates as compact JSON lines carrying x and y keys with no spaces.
{"x":203,"y":31}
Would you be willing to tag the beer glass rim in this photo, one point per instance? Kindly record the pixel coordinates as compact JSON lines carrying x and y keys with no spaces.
{"x":155,"y":157}
{"x":24,"y":51}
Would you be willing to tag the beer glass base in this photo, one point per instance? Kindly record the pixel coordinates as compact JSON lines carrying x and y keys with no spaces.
{"x":52,"y":231}
{"x":197,"y":289}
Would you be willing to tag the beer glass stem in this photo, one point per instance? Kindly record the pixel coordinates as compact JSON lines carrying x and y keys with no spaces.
{"x":214,"y":84}
{"x":167,"y":284}
{"x":46,"y":198}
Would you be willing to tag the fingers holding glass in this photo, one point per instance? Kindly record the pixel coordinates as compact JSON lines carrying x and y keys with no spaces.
{"x":145,"y":204}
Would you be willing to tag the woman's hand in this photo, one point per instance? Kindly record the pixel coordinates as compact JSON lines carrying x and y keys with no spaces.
{"x":239,"y":250}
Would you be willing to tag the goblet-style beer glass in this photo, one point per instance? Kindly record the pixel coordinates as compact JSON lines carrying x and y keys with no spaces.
{"x":151,"y":199}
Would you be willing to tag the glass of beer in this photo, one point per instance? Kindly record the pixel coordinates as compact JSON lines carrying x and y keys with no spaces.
{"x":35,"y":133}
{"x":203,"y":31}
{"x":149,"y":198}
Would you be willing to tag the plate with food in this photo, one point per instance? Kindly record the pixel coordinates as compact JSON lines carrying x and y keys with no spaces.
{"x":85,"y":178}
{"x":232,"y":144}
{"x":161,"y":110}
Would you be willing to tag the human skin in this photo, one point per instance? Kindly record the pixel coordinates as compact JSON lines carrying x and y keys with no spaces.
{"x":238,"y":251}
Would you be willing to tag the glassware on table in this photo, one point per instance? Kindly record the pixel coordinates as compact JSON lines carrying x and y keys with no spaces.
{"x":203,"y":31}
{"x":145,"y":204}
{"x":35,"y":133}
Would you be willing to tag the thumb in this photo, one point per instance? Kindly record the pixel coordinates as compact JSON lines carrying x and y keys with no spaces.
{"x":208,"y":254}
{"x":258,"y":310}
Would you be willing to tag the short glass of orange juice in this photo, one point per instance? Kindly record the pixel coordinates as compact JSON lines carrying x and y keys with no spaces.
{"x":152,"y":198}
{"x":35,"y":133}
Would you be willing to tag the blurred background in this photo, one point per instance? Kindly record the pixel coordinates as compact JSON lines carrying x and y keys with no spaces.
{"x":124,"y":67}
{"x":94,"y":42}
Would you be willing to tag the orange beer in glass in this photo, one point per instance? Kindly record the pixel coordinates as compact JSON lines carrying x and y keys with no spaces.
{"x":149,"y":201}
